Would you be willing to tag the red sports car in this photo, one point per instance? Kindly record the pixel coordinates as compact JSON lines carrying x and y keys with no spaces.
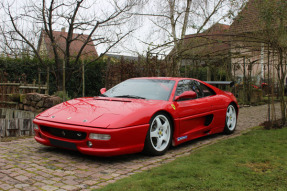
{"x":139,"y":114}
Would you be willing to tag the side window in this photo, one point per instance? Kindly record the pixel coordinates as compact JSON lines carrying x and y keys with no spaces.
{"x":200,"y":89}
{"x":206,"y":91}
{"x":182,"y":86}
{"x":187,"y":85}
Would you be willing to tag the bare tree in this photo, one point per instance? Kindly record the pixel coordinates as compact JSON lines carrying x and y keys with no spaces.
{"x":174,"y":18}
{"x":273,"y":16}
{"x":102,"y":22}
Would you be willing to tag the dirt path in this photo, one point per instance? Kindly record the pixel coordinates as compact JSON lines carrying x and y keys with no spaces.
{"x":27,"y":165}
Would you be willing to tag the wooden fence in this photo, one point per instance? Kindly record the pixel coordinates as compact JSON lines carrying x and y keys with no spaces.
{"x":16,"y":123}
{"x":7,"y":90}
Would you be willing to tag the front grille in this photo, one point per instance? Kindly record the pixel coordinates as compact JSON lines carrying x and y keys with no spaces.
{"x":68,"y":134}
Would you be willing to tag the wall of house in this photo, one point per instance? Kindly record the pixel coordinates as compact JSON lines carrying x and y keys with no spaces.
{"x":259,"y":59}
{"x":43,"y":48}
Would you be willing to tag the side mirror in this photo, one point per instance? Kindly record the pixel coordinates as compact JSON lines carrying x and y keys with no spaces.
{"x":103,"y":90}
{"x":186,"y":95}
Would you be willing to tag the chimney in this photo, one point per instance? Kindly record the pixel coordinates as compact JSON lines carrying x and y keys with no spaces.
{"x":63,"y":29}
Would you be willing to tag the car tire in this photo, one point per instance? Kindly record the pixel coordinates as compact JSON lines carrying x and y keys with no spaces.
{"x":230,"y":119}
{"x":159,"y":135}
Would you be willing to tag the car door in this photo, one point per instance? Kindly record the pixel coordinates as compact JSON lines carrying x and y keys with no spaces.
{"x":194,"y":115}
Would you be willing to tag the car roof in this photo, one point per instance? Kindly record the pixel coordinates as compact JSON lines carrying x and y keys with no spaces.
{"x":164,"y":78}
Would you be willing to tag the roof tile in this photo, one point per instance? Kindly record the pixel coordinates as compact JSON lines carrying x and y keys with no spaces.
{"x":60,"y":37}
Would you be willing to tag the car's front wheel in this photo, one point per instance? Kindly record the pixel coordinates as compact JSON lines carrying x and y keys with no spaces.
{"x":159,"y":135}
{"x":231,"y":119}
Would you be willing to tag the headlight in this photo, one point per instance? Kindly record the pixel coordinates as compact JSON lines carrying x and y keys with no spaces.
{"x":105,"y":137}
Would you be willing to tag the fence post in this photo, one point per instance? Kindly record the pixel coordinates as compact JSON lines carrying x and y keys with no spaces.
{"x":64,"y":80}
{"x":83,"y":78}
{"x":20,"y":90}
{"x":47,"y":82}
{"x":2,"y":126}
{"x":39,"y":80}
{"x":34,"y":84}
{"x":2,"y":88}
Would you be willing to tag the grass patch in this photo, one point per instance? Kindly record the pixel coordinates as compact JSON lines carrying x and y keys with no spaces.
{"x":256,"y":160}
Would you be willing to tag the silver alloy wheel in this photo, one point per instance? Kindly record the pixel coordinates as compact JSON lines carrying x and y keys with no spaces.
{"x":160,"y":133}
{"x":231,"y":118}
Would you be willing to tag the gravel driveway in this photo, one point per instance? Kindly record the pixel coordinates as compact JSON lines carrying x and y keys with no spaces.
{"x":27,"y":165}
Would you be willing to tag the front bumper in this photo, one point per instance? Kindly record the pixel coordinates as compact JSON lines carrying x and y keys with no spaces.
{"x":123,"y":140}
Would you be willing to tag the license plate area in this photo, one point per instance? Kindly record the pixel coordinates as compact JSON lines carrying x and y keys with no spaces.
{"x":63,"y":144}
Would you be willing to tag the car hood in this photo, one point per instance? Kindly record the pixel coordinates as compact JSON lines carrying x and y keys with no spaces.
{"x":103,"y":112}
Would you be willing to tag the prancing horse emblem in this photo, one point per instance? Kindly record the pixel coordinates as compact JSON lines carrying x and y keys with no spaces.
{"x":63,"y":133}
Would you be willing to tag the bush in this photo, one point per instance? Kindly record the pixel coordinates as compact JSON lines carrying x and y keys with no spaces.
{"x":14,"y":97}
{"x":62,"y":95}
{"x":26,"y":70}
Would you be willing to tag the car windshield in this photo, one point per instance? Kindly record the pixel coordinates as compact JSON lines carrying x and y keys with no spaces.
{"x":154,"y":89}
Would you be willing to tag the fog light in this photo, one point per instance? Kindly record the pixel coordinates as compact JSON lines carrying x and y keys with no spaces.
{"x":90,"y":144}
{"x":100,"y":136}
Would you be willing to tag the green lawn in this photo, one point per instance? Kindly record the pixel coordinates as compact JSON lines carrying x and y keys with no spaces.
{"x":256,"y":160}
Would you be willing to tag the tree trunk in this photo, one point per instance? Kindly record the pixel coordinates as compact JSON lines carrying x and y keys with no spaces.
{"x":281,"y":77}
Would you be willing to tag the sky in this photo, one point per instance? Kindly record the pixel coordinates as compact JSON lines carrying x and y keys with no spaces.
{"x":145,"y":34}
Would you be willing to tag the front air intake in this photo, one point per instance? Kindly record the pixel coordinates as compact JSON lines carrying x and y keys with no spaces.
{"x":68,"y":134}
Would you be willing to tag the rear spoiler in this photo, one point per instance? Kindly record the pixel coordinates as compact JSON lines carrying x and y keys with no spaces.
{"x":225,"y":83}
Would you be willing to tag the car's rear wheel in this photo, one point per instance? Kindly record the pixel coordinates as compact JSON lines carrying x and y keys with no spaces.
{"x":159,"y":135}
{"x":231,"y":119}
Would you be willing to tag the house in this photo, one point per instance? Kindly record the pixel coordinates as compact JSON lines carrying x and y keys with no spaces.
{"x":248,"y":57}
{"x":209,"y":49}
{"x":234,"y":52}
{"x":45,"y":47}
{"x":249,"y":47}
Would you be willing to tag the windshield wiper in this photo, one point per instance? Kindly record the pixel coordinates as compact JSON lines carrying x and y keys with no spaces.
{"x":130,"y":96}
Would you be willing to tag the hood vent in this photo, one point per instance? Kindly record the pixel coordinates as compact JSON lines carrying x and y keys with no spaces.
{"x":108,"y":99}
